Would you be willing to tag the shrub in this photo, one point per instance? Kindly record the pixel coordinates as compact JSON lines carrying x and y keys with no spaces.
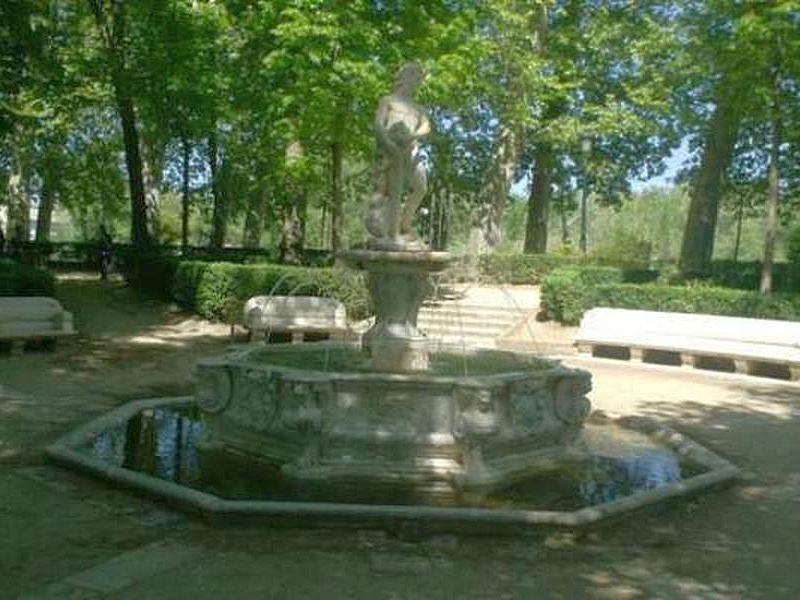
{"x":564,"y":291}
{"x":623,"y":248}
{"x":151,"y":271}
{"x":793,"y":251}
{"x":23,"y":280}
{"x":527,"y":269}
{"x":567,"y":295}
{"x":219,"y":290}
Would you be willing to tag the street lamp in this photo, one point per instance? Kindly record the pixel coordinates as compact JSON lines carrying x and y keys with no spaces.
{"x":586,"y":150}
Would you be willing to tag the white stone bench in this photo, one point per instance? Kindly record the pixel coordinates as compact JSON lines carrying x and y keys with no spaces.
{"x":29,"y":318}
{"x":301,"y":317}
{"x":752,"y":346}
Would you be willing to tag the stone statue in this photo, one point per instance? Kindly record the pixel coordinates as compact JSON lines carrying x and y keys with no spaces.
{"x":400,"y":181}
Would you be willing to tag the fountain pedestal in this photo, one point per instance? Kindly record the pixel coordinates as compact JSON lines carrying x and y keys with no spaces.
{"x":398,"y":282}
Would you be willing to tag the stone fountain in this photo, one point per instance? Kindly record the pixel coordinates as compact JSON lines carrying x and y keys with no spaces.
{"x":394,"y":430}
{"x":396,"y":409}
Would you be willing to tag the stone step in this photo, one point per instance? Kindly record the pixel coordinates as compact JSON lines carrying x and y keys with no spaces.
{"x":500,"y":319}
{"x":471,"y":309}
{"x":492,"y":327}
{"x":467,"y":341}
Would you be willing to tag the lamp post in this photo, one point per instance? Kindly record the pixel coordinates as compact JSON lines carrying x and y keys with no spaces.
{"x":586,"y":150}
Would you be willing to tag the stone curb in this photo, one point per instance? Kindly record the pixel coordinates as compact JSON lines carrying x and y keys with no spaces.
{"x":316,"y":513}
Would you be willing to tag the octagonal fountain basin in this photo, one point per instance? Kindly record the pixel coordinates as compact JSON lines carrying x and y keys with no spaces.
{"x":471,"y":420}
{"x":155,"y":447}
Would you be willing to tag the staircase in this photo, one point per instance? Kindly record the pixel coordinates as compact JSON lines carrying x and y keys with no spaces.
{"x":470,"y":325}
{"x":476,"y":316}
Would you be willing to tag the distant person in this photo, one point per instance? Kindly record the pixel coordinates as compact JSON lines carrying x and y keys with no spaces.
{"x":106,"y":252}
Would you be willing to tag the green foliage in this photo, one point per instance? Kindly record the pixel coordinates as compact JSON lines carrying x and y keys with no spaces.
{"x":521,"y":269}
{"x":219,"y":290}
{"x":23,"y":280}
{"x":152,"y":271}
{"x":564,"y":292}
{"x":625,"y":249}
{"x":793,"y":251}
{"x":566,"y":295}
{"x":747,"y":275}
{"x":531,"y":269}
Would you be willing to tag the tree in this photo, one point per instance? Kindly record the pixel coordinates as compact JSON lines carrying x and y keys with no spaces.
{"x":112,"y":24}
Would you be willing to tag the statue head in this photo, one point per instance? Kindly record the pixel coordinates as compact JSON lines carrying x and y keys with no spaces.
{"x":409,"y":76}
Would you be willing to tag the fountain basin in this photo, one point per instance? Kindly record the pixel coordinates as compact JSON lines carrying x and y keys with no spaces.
{"x":159,"y":457}
{"x":319,"y":412}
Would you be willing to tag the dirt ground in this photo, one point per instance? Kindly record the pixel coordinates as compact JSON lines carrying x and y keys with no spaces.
{"x":66,"y":536}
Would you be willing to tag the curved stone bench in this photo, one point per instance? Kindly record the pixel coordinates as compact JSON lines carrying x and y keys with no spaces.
{"x":693,"y":340}
{"x":301,"y":317}
{"x":27,"y":318}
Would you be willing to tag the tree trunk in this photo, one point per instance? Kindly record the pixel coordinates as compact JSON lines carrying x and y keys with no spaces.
{"x":293,"y":232}
{"x":564,"y":224}
{"x":337,"y":197}
{"x":705,"y":193}
{"x":254,"y":219}
{"x":153,"y":151}
{"x":111,"y":24}
{"x":494,"y":194}
{"x":539,"y":202}
{"x":185,"y":198}
{"x":739,"y":218}
{"x":219,"y":219}
{"x":18,"y":207}
{"x":773,"y":191}
{"x":44,"y":218}
{"x":140,"y":232}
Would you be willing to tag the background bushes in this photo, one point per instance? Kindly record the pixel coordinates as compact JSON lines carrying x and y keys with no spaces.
{"x":521,"y":269}
{"x":219,"y":290}
{"x":23,"y":280}
{"x":568,"y":293}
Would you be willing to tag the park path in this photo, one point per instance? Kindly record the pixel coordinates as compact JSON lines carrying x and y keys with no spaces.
{"x":66,"y":536}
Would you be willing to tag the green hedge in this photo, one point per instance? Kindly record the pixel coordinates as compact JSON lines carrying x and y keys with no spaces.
{"x":526,"y":269}
{"x":564,"y":292}
{"x":219,"y":290}
{"x":747,"y":275}
{"x":152,"y":271}
{"x":531,"y":269}
{"x":22,"y":280}
{"x":567,"y":294}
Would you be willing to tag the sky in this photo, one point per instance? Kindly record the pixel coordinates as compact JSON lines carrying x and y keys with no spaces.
{"x":674,"y":164}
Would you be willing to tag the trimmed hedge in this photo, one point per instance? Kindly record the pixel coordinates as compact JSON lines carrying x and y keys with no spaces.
{"x":219,"y":290}
{"x":151,"y":271}
{"x":525,"y":269}
{"x":531,"y":269}
{"x":22,"y":280}
{"x":567,"y":294}
{"x":747,"y":275}
{"x":564,"y":292}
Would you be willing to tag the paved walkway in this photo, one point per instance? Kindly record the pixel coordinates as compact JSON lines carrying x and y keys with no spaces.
{"x":66,"y":536}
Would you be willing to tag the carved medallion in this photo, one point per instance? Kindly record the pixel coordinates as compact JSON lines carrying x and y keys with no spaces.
{"x":256,"y":399}
{"x":476,"y":412}
{"x":301,"y":405}
{"x":569,"y":399}
{"x":214,"y":387}
{"x":527,"y":403}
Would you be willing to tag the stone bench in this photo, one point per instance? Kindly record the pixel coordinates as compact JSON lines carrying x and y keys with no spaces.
{"x":298,"y":318}
{"x":30,"y":318}
{"x":751,"y":346}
